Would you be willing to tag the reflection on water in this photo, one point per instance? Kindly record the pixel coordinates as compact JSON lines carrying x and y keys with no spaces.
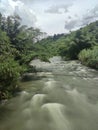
{"x":66,"y":98}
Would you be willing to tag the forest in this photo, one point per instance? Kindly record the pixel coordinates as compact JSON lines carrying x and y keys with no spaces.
{"x":80,"y":45}
{"x":19,"y":44}
{"x":16,"y":51}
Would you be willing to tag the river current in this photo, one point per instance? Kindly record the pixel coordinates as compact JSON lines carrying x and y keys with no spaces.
{"x":62,"y":96}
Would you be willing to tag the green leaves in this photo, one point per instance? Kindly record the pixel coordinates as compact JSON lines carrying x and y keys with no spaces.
{"x":9,"y":72}
{"x":89,"y":57}
{"x":16,"y":51}
{"x":9,"y":76}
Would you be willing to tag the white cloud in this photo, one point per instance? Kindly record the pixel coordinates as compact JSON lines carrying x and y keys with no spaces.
{"x":91,"y":16}
{"x":58,"y":9}
{"x":27,"y":15}
{"x":71,"y":24}
{"x":5,"y":7}
{"x":52,"y":15}
{"x":9,"y":7}
{"x":76,"y":21}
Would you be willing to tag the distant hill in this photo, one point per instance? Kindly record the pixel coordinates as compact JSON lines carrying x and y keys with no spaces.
{"x":70,"y":46}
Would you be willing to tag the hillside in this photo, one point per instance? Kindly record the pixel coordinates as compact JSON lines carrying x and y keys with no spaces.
{"x":81,"y":44}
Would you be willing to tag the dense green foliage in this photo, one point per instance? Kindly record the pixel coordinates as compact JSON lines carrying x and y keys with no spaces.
{"x":89,"y":57}
{"x":9,"y":76}
{"x":69,"y":46}
{"x":16,"y":51}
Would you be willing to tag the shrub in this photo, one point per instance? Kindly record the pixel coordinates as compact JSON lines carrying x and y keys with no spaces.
{"x":89,"y":57}
{"x":9,"y":75}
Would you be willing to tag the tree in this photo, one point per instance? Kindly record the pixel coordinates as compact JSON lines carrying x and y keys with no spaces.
{"x":13,"y":27}
{"x":89,"y":57}
{"x":4,"y":43}
{"x":9,"y":76}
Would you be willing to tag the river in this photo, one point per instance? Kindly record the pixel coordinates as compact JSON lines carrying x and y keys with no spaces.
{"x":62,"y":96}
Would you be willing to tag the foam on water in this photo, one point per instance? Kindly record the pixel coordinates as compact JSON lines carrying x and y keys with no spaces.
{"x":24,"y":95}
{"x":37,"y":100}
{"x":62,"y":104}
{"x":49,"y":86}
{"x":56,"y":112}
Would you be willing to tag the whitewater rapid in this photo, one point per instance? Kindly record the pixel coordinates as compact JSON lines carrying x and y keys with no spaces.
{"x":64,"y":97}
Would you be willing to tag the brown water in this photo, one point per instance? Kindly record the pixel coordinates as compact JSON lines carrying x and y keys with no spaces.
{"x":62,"y":97}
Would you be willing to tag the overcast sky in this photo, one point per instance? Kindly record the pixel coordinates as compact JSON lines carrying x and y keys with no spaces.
{"x":52,"y":16}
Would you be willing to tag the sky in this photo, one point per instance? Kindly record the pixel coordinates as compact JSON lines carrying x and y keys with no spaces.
{"x":52,"y":16}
